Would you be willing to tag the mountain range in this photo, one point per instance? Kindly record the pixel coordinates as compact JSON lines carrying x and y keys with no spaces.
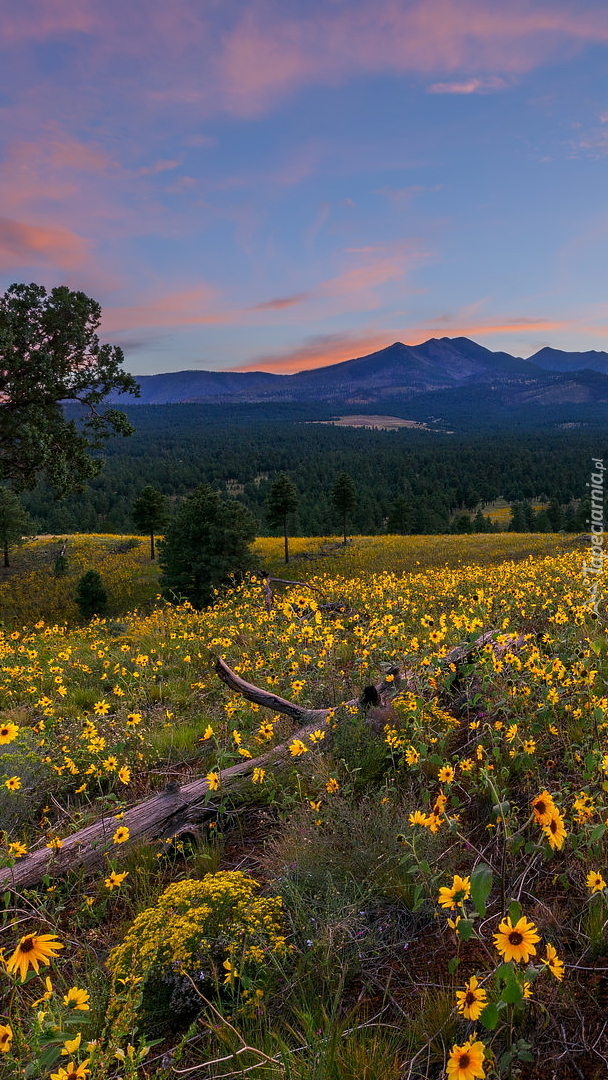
{"x":399,"y":374}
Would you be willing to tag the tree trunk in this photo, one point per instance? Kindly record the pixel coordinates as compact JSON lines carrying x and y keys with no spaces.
{"x":152,"y":552}
{"x":6,"y":562}
{"x":286,"y":539}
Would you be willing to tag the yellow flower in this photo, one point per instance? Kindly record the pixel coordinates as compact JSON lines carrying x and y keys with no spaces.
{"x":17,"y":849}
{"x":70,"y":1046}
{"x":114,"y":880}
{"x":555,"y":965}
{"x":77,"y":999}
{"x":133,"y":718}
{"x":121,"y":835}
{"x":8,"y":732}
{"x":213,"y":779}
{"x":231,"y":972}
{"x":316,"y":736}
{"x":258,"y":776}
{"x":297,"y":747}
{"x":124,"y":774}
{"x":466,"y":1062}
{"x":454,"y":895}
{"x":6,"y":1036}
{"x":543,"y":807}
{"x":208,"y":732}
{"x":33,"y":950}
{"x":516,"y":942}
{"x":555,"y":831}
{"x":332,"y":785}
{"x":13,"y":783}
{"x":595,"y":881}
{"x":445,"y":774}
{"x":47,"y":994}
{"x":72,"y":1071}
{"x":472,"y":1000}
{"x":101,"y":708}
{"x":412,"y":756}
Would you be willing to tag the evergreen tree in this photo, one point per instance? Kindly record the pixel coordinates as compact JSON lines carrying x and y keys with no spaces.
{"x":206,"y":543}
{"x":400,"y":517}
{"x":49,"y":355}
{"x":344,"y":497}
{"x":91,"y":596}
{"x":149,"y":513}
{"x":281,"y":502}
{"x":15,"y":524}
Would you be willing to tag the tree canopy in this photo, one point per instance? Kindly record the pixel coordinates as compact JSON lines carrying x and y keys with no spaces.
{"x":281,"y":502}
{"x":15,"y":524}
{"x":149,"y":513}
{"x":206,"y":543}
{"x":50,"y":355}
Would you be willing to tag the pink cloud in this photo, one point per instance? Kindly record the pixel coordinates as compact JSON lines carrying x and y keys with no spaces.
{"x":469,"y":86}
{"x":281,"y":302}
{"x":190,"y":307}
{"x":320,"y":351}
{"x":24,"y":245}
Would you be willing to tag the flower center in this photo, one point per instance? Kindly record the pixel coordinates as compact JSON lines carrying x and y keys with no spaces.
{"x":553,"y":825}
{"x":470,"y":998}
{"x":464,"y":1061}
{"x":27,"y":945}
{"x":515,"y":938}
{"x":541,"y":808}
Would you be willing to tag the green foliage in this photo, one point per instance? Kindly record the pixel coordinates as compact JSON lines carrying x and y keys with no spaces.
{"x":15,"y":524}
{"x":91,"y":596}
{"x":149,"y":513}
{"x":281,"y":502}
{"x":344,"y":498}
{"x":206,"y":543}
{"x":50,"y":354}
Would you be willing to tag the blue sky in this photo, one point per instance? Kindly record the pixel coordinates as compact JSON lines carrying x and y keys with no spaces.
{"x":280,"y":184}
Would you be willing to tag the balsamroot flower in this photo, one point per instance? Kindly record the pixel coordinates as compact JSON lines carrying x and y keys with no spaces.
{"x":6,"y":1037}
{"x":555,"y":965}
{"x":555,"y":831}
{"x":543,"y":807}
{"x":454,"y":895}
{"x":466,"y":1062}
{"x":472,"y":1000}
{"x":77,"y":999}
{"x":595,"y":881}
{"x":516,"y":942}
{"x":33,"y":950}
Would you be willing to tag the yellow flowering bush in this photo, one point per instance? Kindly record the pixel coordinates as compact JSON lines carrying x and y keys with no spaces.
{"x":208,"y":930}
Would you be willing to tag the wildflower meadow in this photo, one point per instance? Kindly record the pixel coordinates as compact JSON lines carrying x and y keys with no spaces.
{"x":413,"y":888}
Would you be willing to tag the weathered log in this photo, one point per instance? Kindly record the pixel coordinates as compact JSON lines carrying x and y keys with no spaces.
{"x":160,"y":814}
{"x":165,"y":813}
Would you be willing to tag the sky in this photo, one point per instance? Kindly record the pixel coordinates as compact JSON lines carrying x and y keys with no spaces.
{"x":278,"y":184}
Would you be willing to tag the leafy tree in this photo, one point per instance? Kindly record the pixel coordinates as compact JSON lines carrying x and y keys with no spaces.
{"x":344,"y":497}
{"x":281,"y":502}
{"x":400,"y":517}
{"x":91,"y":595}
{"x":206,"y":542}
{"x":50,"y":355}
{"x":15,"y":524}
{"x":149,"y":513}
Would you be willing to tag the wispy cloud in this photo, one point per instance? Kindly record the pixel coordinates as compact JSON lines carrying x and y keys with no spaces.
{"x":25,"y":245}
{"x":487,"y":85}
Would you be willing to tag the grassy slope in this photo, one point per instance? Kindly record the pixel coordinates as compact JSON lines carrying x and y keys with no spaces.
{"x":108,"y":712}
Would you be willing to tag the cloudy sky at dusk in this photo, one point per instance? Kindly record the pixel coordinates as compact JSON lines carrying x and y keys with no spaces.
{"x":278,"y":184}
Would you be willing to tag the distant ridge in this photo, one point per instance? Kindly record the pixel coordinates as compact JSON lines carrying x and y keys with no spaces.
{"x":396,"y":372}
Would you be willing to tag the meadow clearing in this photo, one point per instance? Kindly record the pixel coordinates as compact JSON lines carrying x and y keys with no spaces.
{"x":416,"y":894}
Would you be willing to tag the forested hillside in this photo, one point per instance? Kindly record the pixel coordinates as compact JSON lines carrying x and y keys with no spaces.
{"x":406,"y":480}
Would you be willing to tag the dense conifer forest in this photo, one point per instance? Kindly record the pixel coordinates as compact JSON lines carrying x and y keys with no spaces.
{"x":407,"y":481}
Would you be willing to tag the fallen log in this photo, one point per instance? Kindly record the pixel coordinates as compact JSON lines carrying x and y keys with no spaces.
{"x":163,"y":814}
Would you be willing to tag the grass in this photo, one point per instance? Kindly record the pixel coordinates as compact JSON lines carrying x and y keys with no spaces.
{"x":357,"y":834}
